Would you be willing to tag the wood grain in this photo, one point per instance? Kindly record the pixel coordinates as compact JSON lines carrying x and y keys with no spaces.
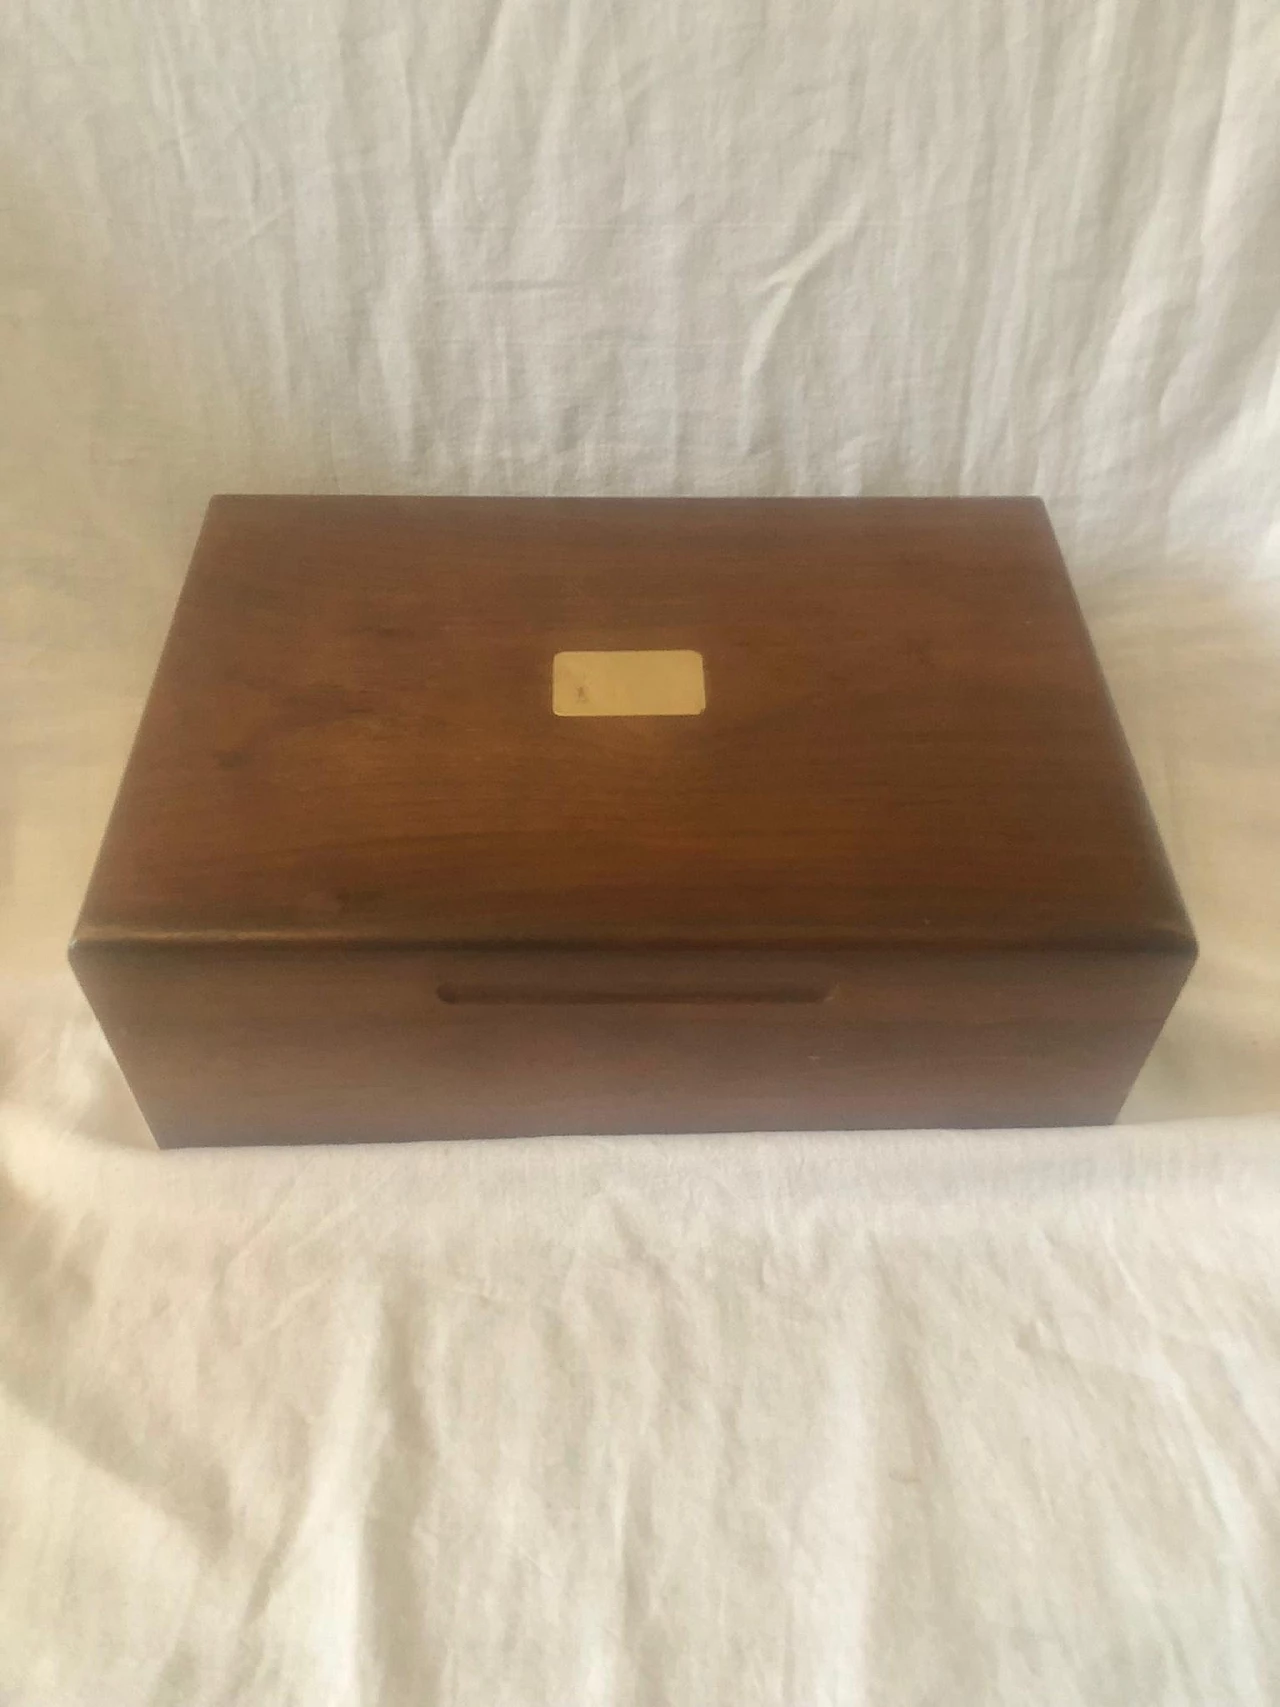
{"x":350,"y":800}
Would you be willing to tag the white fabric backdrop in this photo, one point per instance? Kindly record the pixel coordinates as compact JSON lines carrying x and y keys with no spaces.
{"x":919,"y":1419}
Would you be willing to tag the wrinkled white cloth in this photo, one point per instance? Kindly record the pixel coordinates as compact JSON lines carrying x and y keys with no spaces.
{"x":802,"y":1420}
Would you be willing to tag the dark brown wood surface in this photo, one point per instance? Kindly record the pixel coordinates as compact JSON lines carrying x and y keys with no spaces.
{"x":360,"y":882}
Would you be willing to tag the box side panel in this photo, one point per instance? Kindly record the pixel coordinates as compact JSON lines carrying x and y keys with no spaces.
{"x":238,"y":1045}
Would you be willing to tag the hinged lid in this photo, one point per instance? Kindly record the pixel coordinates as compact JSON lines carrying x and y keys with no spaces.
{"x":895,"y":731}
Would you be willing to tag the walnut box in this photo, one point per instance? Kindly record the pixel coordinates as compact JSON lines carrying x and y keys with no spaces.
{"x":478,"y":817}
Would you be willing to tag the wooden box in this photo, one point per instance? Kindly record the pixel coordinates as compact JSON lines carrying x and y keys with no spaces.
{"x":463,"y":818}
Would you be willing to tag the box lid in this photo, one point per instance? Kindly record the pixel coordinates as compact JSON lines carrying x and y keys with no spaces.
{"x":903,"y":735}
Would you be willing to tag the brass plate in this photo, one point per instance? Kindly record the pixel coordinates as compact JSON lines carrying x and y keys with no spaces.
{"x":628,"y":684}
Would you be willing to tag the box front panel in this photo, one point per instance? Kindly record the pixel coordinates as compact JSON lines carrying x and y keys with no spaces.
{"x":247,"y":1044}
